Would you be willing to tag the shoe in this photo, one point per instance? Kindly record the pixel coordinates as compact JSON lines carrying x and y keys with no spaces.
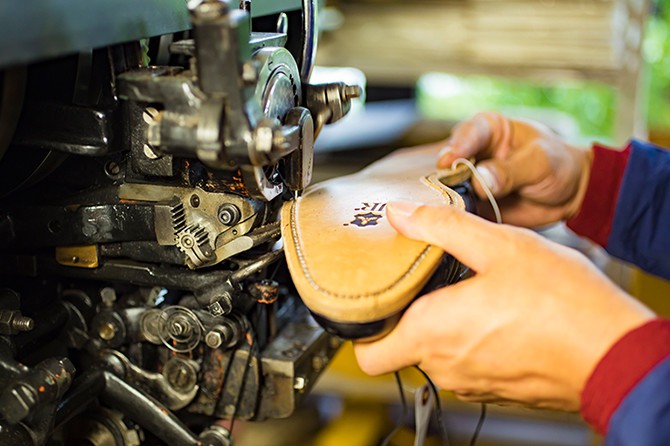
{"x":353,"y":271}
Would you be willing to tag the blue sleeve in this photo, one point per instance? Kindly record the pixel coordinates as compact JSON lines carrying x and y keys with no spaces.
{"x":643,"y":417}
{"x":641,"y":227}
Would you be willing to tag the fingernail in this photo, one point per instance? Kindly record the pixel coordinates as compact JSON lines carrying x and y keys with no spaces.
{"x":445,"y":150}
{"x":403,"y":208}
{"x":490,"y":180}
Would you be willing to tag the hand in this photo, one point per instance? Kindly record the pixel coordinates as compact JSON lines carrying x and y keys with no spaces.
{"x":542,"y":178}
{"x":529,"y":328}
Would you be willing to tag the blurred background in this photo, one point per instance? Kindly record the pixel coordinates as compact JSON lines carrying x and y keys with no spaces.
{"x":593,"y":70}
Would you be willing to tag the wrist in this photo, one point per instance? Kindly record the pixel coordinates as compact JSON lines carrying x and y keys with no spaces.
{"x":622,"y":367}
{"x":595,"y":211}
{"x":584,"y":161}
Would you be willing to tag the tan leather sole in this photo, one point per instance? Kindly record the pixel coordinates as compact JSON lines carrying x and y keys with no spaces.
{"x":347,"y":262}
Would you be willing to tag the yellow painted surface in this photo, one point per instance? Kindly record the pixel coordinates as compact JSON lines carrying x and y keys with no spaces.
{"x":359,"y":425}
{"x":652,"y":291}
{"x":344,"y":366}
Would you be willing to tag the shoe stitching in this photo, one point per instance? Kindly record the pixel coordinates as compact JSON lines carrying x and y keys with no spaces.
{"x":432,"y":181}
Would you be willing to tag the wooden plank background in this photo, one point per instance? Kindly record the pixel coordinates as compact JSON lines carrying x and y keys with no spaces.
{"x":397,"y":41}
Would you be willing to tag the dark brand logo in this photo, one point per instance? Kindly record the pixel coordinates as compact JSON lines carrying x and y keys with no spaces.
{"x":368,"y":214}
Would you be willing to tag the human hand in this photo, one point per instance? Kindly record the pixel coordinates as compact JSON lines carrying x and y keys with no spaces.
{"x":540,"y":178}
{"x":529,"y":328}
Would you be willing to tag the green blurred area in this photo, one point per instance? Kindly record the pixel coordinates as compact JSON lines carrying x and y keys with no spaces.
{"x":590,"y":105}
{"x":657,"y":55}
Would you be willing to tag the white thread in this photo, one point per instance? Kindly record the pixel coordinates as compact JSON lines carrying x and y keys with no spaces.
{"x":482,"y":182}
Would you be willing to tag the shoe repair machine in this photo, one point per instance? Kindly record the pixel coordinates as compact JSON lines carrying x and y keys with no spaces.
{"x":146,"y":150}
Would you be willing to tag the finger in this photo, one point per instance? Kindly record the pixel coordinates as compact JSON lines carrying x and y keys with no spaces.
{"x":472,"y":240}
{"x":475,"y":138}
{"x":525,"y":166}
{"x":519,"y":211}
{"x":398,"y":349}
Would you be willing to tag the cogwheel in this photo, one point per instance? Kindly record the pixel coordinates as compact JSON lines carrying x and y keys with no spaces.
{"x":194,"y":242}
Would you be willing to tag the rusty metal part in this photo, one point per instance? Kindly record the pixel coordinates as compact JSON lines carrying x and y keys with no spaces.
{"x":265,"y":292}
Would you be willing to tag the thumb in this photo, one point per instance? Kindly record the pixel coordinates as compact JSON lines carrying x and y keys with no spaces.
{"x":524,"y":167}
{"x":472,"y":240}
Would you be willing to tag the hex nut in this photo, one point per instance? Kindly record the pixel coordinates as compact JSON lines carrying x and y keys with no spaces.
{"x":213,"y":339}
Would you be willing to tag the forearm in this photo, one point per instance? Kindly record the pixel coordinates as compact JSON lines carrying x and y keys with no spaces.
{"x":626,"y":208}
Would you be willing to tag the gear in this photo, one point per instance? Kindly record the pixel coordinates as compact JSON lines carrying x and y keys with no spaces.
{"x":192,"y":240}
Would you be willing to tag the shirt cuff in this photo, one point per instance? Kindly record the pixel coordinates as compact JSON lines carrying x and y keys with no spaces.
{"x":621,"y":369}
{"x":594,"y":218}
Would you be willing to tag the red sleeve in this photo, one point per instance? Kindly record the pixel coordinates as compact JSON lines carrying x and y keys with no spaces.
{"x":595,"y":216}
{"x":621,"y":369}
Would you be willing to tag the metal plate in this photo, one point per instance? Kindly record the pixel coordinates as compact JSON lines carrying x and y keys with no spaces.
{"x":39,"y":29}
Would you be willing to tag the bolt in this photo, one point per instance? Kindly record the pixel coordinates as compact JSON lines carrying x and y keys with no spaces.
{"x":229,"y":214}
{"x":351,"y":91}
{"x":334,"y":342}
{"x":23,"y":323}
{"x":108,"y":296}
{"x":213,"y":339}
{"x":300,"y":383}
{"x":107,"y":331}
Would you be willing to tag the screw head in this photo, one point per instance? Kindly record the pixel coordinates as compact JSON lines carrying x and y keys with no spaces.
{"x":229,"y":214}
{"x":195,"y":201}
{"x":112,"y":169}
{"x":187,"y":241}
{"x":216,"y":309}
{"x":149,"y":115}
{"x":149,"y":152}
